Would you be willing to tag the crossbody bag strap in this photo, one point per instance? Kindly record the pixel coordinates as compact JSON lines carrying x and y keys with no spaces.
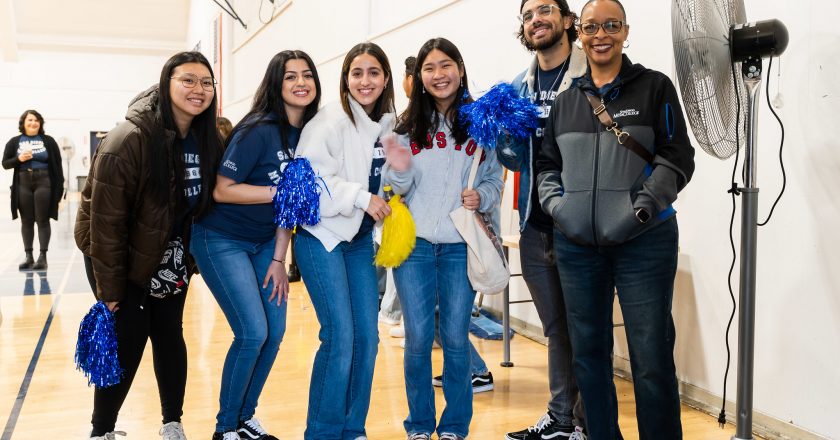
{"x":624,"y":138}
{"x":474,"y":169}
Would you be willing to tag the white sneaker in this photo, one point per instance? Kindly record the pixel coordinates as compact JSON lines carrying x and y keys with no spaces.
{"x":109,"y":435}
{"x":397,"y":332}
{"x":172,"y":431}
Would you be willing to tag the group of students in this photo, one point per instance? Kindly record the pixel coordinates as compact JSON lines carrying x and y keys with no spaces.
{"x":595,"y":217}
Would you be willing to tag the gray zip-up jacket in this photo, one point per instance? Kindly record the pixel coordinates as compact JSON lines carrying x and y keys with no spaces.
{"x":590,"y":184}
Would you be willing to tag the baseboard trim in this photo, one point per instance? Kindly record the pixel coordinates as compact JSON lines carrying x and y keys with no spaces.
{"x":764,"y":425}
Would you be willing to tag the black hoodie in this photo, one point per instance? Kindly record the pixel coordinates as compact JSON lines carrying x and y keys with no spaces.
{"x":589,"y":183}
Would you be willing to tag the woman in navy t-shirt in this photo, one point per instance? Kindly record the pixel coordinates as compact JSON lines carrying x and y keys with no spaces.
{"x":239,"y":250}
{"x":37,"y":185}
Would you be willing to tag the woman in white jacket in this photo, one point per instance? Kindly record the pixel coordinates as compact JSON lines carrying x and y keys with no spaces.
{"x":335,"y":257}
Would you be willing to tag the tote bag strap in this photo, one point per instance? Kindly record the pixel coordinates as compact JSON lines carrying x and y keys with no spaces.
{"x":474,"y":169}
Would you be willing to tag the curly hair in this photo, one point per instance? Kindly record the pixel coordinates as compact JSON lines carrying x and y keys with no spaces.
{"x":565,"y":11}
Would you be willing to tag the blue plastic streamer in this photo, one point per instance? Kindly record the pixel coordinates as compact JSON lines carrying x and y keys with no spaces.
{"x":298,"y":198}
{"x":500,"y":111}
{"x":96,"y":347}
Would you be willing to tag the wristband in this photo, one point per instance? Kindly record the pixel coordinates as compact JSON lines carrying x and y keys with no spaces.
{"x":279,"y":261}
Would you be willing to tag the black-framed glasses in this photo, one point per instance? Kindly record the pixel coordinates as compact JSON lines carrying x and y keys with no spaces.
{"x":610,"y":27}
{"x":543,"y":11}
{"x":189,"y":81}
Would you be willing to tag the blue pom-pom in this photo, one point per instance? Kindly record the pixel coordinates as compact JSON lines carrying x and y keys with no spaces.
{"x":500,"y":110}
{"x":298,"y":197}
{"x":96,"y":347}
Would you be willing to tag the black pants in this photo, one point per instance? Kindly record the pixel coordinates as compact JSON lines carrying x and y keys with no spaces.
{"x":161,"y":321}
{"x":34,"y":207}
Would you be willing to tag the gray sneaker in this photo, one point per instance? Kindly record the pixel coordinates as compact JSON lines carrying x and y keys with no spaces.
{"x":419,"y":436}
{"x":172,"y":431}
{"x":450,"y":436}
{"x":109,"y":435}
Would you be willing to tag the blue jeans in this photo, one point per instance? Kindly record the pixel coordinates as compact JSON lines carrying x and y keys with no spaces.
{"x":642,"y":271}
{"x":343,"y":288}
{"x":234,"y":271}
{"x":436,"y":274}
{"x":477,"y":364}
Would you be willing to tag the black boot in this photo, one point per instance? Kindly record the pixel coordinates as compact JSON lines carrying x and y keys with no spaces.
{"x":28,"y":263}
{"x":41,"y":264}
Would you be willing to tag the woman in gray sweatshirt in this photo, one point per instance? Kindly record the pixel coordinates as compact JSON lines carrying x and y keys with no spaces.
{"x":432,"y":173}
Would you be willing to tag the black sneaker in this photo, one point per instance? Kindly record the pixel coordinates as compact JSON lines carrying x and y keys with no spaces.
{"x":252,"y":430}
{"x":230,"y":435}
{"x":480,"y":382}
{"x":547,"y":428}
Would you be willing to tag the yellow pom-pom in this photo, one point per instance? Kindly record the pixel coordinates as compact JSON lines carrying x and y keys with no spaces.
{"x":398,"y":235}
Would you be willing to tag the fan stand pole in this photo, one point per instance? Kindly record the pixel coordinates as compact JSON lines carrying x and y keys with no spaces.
{"x":749,"y":241}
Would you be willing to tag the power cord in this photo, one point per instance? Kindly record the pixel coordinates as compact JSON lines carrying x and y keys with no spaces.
{"x":781,"y":146}
{"x":734,"y":191}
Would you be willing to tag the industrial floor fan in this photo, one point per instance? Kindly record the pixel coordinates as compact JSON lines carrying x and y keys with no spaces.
{"x":719,"y":64}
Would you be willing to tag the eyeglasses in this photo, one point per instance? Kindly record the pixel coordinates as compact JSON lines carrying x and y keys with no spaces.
{"x":543,"y":11}
{"x":190,"y":81}
{"x":610,"y":27}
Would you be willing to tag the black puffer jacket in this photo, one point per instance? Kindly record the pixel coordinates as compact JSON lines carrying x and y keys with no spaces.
{"x":118,"y":225}
{"x":589,"y":183}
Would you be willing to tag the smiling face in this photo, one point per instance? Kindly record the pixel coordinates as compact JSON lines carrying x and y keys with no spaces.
{"x":366,"y":80}
{"x":188,"y":103}
{"x":603,"y":49}
{"x":441,"y":77}
{"x":298,"y":85}
{"x":31,"y":125}
{"x":543,"y":32}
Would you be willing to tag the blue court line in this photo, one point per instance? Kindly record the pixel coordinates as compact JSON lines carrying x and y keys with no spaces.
{"x":27,"y":379}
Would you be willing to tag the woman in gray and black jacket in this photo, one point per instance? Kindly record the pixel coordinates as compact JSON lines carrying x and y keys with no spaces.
{"x":615,"y":228}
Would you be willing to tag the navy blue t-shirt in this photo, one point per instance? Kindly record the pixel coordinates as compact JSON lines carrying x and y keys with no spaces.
{"x":374,"y":180}
{"x":191,"y":183}
{"x":544,"y":94}
{"x":192,"y":171}
{"x":40,"y":156}
{"x":254,"y":156}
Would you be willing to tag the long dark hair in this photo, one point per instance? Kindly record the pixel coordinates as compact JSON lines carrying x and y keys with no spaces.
{"x":385,"y":102}
{"x":203,"y":127}
{"x":37,"y":115}
{"x":565,"y":11}
{"x":269,"y":98}
{"x":421,"y":116}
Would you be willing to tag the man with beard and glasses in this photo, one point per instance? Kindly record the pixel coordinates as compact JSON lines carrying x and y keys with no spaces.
{"x":547,"y":28}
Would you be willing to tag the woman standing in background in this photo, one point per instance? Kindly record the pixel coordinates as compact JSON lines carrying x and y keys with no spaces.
{"x":37,"y":185}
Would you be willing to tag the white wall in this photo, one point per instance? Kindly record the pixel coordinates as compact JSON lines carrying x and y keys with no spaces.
{"x":797,"y":325}
{"x":75,"y":92}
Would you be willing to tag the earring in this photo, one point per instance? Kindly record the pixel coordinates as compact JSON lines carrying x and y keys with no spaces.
{"x":461,"y":84}
{"x":626,"y":44}
{"x":424,"y":89}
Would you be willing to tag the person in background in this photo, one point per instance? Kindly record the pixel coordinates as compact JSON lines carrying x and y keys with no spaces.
{"x":432,"y":174}
{"x":609,"y":194}
{"x":336,"y":256}
{"x":37,"y":184}
{"x":238,"y":248}
{"x":546,"y":28}
{"x":389,"y":310}
{"x":145,"y":186}
{"x":225,"y":127}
